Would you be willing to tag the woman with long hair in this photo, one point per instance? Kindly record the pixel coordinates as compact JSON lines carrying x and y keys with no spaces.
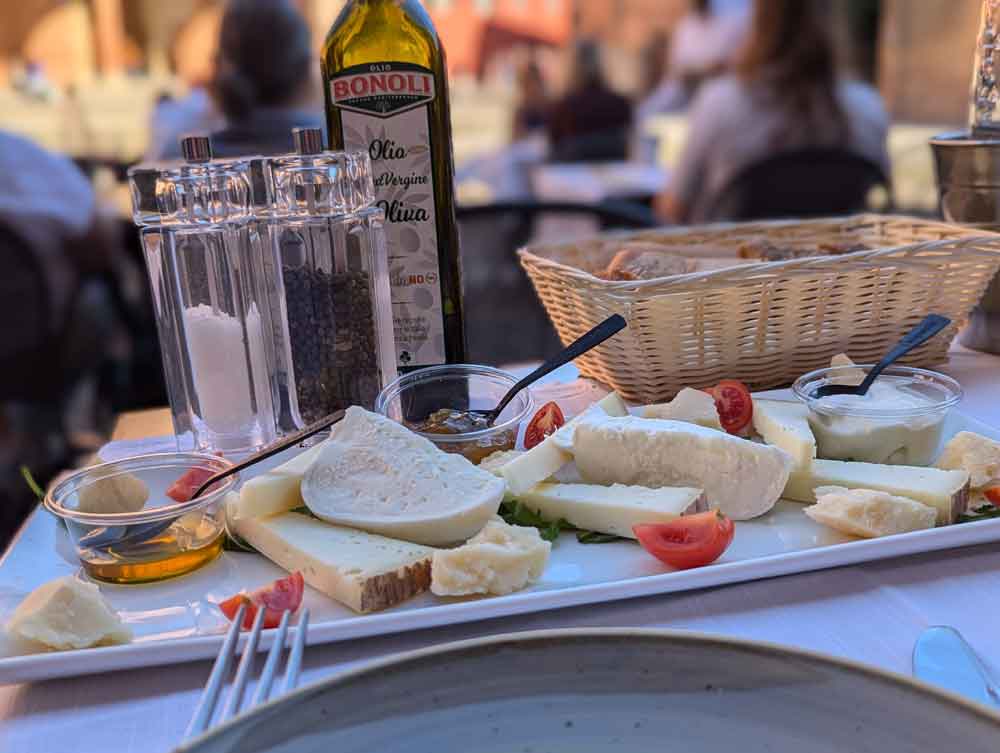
{"x":785,"y":94}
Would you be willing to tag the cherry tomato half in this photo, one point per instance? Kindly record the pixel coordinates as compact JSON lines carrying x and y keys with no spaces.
{"x":992,"y":493}
{"x":274,"y":599}
{"x":546,"y":421}
{"x":689,"y":541}
{"x":734,"y":404}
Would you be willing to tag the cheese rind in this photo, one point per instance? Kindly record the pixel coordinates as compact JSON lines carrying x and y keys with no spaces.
{"x":946,"y":491}
{"x":612,"y":509}
{"x":972,"y":452}
{"x":277,"y":490}
{"x":376,"y":475}
{"x":498,"y":560}
{"x":741,"y":478}
{"x":869,"y":513}
{"x":693,"y":406}
{"x":547,"y":457}
{"x":786,"y":425}
{"x":67,"y":613}
{"x":363,"y":571}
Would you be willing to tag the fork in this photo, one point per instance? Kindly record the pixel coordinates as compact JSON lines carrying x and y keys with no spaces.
{"x":203,"y":713}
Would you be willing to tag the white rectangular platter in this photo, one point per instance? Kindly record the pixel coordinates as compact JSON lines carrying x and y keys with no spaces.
{"x":177,"y":620}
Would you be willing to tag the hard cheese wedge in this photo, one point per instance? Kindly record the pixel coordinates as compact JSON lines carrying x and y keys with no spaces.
{"x":972,"y":452}
{"x":278,"y":490}
{"x":869,"y":513}
{"x":786,"y":425}
{"x":364,"y":571}
{"x":544,"y":459}
{"x":612,"y":509}
{"x":693,"y":406}
{"x":945,"y":491}
{"x":741,"y":478}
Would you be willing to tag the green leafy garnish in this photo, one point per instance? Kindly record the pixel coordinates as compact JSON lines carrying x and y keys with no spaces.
{"x":516,"y":513}
{"x":32,"y":484}
{"x":593,"y":537}
{"x":980,"y":513}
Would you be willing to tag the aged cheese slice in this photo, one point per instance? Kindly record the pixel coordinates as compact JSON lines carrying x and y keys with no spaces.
{"x":67,"y":613}
{"x":693,"y":406}
{"x":972,"y":452}
{"x":123,"y":492}
{"x":544,"y":459}
{"x":377,"y":475}
{"x":277,"y":490}
{"x":743,"y":479}
{"x":493,"y":463}
{"x":869,"y":513}
{"x":786,"y":425}
{"x":498,"y":560}
{"x":364,"y":571}
{"x":613,"y":509}
{"x":945,"y":491}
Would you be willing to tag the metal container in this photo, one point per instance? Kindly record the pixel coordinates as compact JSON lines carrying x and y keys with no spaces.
{"x":968,"y":176}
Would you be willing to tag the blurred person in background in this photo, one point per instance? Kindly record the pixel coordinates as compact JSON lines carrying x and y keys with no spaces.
{"x":264,"y":81}
{"x":532,"y":113}
{"x":195,"y":112}
{"x":785,"y":94}
{"x":591,"y":122}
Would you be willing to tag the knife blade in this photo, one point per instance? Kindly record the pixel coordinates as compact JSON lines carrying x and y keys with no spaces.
{"x":942,"y":657}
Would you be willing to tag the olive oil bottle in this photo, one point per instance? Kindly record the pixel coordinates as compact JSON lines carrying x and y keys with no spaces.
{"x":386,"y":90}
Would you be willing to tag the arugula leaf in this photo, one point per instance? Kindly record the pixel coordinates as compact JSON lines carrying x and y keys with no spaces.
{"x":516,"y":513}
{"x":593,"y":537}
{"x":980,"y":513}
{"x":32,"y":484}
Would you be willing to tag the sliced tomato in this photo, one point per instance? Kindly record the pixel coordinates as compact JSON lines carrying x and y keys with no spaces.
{"x":992,"y":493}
{"x":734,"y":404}
{"x":689,"y":541}
{"x":546,"y":421}
{"x":274,"y":599}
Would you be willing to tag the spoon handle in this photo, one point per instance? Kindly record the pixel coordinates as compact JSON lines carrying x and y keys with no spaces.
{"x":609,"y":327}
{"x":930,"y":326}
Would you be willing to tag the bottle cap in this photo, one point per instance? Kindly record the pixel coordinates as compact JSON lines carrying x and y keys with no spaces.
{"x":307,"y":140}
{"x":196,"y":149}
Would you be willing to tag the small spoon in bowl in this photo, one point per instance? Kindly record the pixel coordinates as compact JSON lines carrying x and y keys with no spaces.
{"x":930,"y":326}
{"x":588,"y":341}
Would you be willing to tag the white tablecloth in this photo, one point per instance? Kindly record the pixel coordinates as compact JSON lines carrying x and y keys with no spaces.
{"x":871,"y":613}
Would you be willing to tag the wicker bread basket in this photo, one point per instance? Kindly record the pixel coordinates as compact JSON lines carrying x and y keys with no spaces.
{"x":764,"y":323}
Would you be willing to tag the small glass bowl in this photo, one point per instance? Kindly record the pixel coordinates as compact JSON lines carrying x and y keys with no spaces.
{"x":160,"y":539}
{"x":411,"y":398}
{"x":868,"y":429}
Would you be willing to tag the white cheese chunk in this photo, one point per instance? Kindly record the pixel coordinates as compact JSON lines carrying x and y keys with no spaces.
{"x":498,"y":560}
{"x":551,"y":454}
{"x":741,"y":478}
{"x":848,"y":377}
{"x":277,"y":490}
{"x":612,"y":509}
{"x":786,"y":425}
{"x":377,"y":475}
{"x":67,"y":613}
{"x":972,"y":452}
{"x":493,"y":463}
{"x":946,"y":491}
{"x":123,"y":492}
{"x":693,"y":406}
{"x":869,"y":513}
{"x":363,"y":571}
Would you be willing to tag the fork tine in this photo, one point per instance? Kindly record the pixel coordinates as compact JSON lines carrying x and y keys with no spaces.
{"x":267,"y":675}
{"x":243,"y":670}
{"x":210,"y":696}
{"x":295,"y":657}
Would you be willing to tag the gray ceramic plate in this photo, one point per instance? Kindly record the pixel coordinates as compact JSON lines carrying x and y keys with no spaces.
{"x":622,"y":690}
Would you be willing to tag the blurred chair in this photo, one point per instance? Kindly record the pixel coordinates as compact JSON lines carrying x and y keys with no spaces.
{"x":801,"y":183}
{"x":505,"y":321}
{"x":609,"y":145}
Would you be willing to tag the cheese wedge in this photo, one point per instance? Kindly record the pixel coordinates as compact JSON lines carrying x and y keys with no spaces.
{"x":363,"y":571}
{"x":377,"y":475}
{"x":848,"y":377}
{"x":493,"y":463}
{"x":67,"y":613}
{"x":693,"y":406}
{"x":972,"y":452}
{"x":277,"y":490}
{"x":869,"y":513}
{"x":786,"y":425}
{"x":123,"y":492}
{"x":544,"y":459}
{"x":743,"y":479}
{"x":498,"y":560}
{"x":613,"y":509}
{"x":945,"y":491}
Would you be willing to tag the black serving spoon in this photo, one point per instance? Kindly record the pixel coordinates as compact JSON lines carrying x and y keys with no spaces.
{"x":609,"y":327}
{"x":930,"y":326}
{"x":117,"y":537}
